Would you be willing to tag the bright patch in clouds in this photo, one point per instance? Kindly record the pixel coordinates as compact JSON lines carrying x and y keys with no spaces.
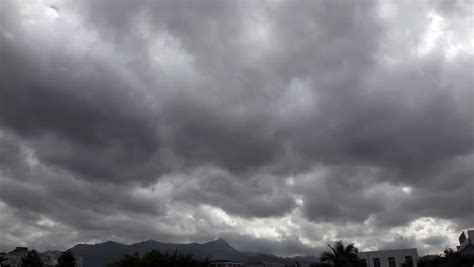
{"x":447,"y":36}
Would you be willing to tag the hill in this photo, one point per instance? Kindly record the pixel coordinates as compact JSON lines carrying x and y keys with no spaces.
{"x":99,"y":255}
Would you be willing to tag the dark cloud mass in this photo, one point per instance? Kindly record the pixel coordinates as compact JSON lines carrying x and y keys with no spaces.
{"x":277,"y":125}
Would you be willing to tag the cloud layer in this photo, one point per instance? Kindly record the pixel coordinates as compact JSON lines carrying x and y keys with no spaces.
{"x":278,"y":125}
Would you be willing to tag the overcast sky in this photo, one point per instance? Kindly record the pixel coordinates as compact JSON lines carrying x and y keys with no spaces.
{"x":276,"y":125}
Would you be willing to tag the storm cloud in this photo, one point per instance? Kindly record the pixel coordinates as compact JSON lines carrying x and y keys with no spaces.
{"x":277,"y":125}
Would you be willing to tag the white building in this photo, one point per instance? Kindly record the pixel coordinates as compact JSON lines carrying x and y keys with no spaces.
{"x":390,"y":258}
{"x":466,"y":243}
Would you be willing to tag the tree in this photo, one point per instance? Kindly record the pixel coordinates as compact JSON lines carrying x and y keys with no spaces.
{"x":156,"y":258}
{"x":449,"y":252}
{"x":320,"y":264}
{"x":2,"y":258}
{"x":127,"y":261}
{"x":340,"y":255}
{"x":449,"y":258}
{"x":66,"y":259}
{"x":31,"y":259}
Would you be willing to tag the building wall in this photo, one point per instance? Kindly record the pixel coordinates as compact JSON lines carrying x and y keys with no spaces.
{"x":470,"y":234}
{"x":399,"y":255}
{"x":467,"y":247}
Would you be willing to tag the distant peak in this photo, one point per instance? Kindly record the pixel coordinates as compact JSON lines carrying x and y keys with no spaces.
{"x":219,"y":242}
{"x":110,"y":243}
{"x":106,"y":243}
{"x":148,"y":241}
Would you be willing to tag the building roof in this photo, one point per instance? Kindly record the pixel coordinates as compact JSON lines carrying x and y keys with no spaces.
{"x":21,"y":251}
{"x":390,"y":250}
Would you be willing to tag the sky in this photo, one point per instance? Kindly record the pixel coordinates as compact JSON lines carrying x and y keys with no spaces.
{"x":278,"y":126}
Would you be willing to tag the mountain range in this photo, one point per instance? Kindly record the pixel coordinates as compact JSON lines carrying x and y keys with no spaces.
{"x":99,"y":255}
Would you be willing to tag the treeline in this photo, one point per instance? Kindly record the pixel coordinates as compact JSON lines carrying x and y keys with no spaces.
{"x":450,"y":258}
{"x":156,"y":258}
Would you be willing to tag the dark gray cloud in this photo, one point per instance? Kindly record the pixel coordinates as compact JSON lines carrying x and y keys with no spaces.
{"x":259,"y":196}
{"x":187,"y":121}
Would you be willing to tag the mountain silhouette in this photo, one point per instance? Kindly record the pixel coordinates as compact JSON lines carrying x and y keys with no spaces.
{"x":99,"y":255}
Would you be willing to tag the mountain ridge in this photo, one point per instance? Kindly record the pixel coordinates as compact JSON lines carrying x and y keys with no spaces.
{"x":102,"y":254}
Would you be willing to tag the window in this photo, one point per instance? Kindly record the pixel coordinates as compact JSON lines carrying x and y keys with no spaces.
{"x":363,"y":262}
{"x":391,"y":262}
{"x":376,"y":262}
{"x":409,"y":261}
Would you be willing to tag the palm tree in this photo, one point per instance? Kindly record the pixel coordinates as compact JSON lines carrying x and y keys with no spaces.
{"x":341,"y":256}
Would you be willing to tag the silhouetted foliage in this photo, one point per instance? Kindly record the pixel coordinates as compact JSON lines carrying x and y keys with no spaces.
{"x":66,"y":259}
{"x":128,"y":261}
{"x":320,"y":264}
{"x":2,"y":258}
{"x":450,"y":258}
{"x":341,"y":256}
{"x":31,"y":259}
{"x":449,"y":252}
{"x":156,"y":258}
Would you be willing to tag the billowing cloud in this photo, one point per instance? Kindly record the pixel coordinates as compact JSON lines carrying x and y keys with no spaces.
{"x":278,"y":125}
